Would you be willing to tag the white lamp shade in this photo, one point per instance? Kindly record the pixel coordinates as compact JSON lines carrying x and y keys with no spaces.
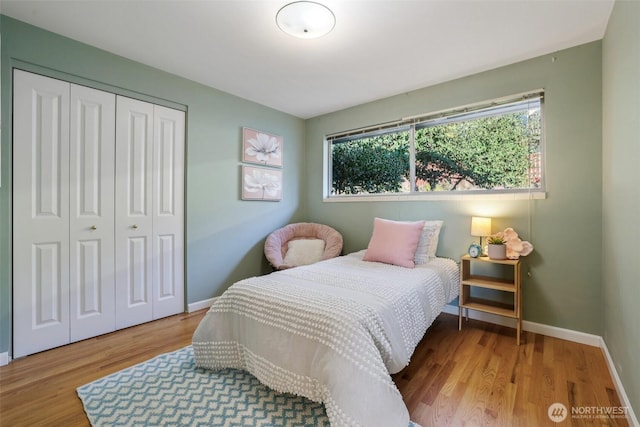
{"x":305,"y":19}
{"x":480,"y":226}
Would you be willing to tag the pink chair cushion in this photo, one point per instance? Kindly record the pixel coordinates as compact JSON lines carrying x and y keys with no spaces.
{"x":276,"y":245}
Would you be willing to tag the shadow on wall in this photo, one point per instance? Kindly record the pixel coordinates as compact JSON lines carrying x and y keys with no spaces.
{"x":218,"y":259}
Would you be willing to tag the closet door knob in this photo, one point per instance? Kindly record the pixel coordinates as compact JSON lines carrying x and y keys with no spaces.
{"x":134,"y":226}
{"x":93,"y":227}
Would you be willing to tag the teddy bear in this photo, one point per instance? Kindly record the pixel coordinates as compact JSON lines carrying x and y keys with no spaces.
{"x":515,"y":246}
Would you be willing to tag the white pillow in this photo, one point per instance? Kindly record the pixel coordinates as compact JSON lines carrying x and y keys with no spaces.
{"x":428,"y":242}
{"x":304,"y":251}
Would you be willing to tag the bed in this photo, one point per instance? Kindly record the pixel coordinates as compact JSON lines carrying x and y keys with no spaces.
{"x":333,"y":331}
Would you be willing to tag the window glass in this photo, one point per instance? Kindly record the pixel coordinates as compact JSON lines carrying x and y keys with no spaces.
{"x":496,"y":147}
{"x":371,"y":164}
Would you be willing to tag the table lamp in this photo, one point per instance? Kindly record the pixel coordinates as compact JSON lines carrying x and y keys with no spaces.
{"x":480,"y":227}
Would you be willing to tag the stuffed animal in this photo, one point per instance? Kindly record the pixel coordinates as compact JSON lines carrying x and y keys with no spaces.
{"x":515,"y":246}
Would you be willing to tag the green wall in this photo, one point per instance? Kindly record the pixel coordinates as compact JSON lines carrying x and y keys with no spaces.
{"x":621,"y":198}
{"x":223,"y":235}
{"x":564,"y":289}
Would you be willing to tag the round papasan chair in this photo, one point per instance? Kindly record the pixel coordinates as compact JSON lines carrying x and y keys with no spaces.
{"x":302,"y":243}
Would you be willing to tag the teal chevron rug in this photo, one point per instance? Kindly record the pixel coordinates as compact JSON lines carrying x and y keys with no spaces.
{"x":169,"y":390}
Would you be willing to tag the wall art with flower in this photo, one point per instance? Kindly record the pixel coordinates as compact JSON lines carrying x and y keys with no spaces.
{"x":260,"y":183}
{"x":261,"y":147}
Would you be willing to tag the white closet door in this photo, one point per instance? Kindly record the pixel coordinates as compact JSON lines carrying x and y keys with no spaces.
{"x":40,"y":213}
{"x":134,"y":220}
{"x":91,"y":158}
{"x":168,"y":212}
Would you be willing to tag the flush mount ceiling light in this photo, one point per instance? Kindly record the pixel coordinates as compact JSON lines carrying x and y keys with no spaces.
{"x":305,"y":19}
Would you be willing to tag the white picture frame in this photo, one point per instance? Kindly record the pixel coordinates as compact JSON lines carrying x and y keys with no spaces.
{"x":262,"y":148}
{"x":261,"y":183}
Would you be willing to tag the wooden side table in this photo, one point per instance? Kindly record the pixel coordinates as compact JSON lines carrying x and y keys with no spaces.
{"x":511,"y":286}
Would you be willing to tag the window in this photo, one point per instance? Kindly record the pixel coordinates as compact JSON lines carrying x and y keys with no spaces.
{"x":490,"y":147}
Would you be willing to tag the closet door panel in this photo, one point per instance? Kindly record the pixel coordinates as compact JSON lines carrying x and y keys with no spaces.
{"x":168,"y":212}
{"x":137,"y":278}
{"x":91,"y":158}
{"x":133,"y":207}
{"x":40,"y":213}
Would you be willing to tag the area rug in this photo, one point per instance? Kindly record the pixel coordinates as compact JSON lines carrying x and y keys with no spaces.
{"x":169,"y":390}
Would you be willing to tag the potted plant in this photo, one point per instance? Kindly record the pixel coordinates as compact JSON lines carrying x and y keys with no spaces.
{"x":497,"y":248}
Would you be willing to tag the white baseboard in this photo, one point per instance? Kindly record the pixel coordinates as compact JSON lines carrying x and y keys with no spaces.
{"x":4,"y":359}
{"x":631,"y":416}
{"x":564,"y":334}
{"x":561,"y":333}
{"x":200,"y":305}
{"x":538,"y":328}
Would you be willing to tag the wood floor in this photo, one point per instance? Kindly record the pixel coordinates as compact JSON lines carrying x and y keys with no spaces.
{"x":480,"y":377}
{"x":476,"y":377}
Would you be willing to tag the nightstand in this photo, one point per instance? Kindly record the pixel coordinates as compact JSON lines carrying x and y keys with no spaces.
{"x":505,"y":282}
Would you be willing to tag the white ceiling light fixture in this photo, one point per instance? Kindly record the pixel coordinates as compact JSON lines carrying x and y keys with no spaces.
{"x":305,"y":19}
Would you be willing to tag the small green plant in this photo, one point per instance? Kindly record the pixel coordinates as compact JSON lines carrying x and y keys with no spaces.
{"x":496,"y":240}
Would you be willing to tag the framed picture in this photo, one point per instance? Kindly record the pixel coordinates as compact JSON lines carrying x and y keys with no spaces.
{"x":260,"y":183}
{"x":261,"y":148}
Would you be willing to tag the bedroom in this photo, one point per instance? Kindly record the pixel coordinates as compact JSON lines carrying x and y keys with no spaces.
{"x":577,"y":223}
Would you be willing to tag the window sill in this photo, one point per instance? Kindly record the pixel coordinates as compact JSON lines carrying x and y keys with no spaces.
{"x":533,"y":195}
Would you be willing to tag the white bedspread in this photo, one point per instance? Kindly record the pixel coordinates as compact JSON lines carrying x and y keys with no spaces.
{"x":331,"y":331}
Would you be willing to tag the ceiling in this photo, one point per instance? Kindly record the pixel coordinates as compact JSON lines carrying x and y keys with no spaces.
{"x":378,"y":48}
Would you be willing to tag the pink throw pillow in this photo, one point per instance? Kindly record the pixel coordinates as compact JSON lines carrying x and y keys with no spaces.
{"x":394,"y":242}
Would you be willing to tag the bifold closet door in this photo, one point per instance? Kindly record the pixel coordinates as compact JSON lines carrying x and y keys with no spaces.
{"x":40,"y":213}
{"x":63,"y":274}
{"x":149,"y":212}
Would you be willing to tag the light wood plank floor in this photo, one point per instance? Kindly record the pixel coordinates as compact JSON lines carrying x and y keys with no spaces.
{"x":480,"y":377}
{"x":477,"y":377}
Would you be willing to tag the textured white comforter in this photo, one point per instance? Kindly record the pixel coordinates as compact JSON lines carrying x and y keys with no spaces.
{"x":331,"y":331}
